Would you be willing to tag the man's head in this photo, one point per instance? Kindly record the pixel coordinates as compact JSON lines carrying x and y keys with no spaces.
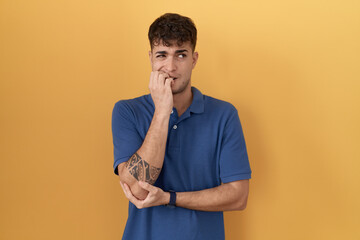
{"x":173,"y":39}
{"x":172,"y":28}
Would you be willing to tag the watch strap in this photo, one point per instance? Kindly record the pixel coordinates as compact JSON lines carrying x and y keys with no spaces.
{"x":172,"y":202}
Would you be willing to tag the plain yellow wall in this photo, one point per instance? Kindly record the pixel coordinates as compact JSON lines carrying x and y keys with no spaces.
{"x":292,"y":69}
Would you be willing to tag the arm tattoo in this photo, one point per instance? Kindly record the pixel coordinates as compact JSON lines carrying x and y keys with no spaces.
{"x":141,"y":170}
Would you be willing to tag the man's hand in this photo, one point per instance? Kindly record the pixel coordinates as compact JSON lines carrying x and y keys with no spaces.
{"x":160,"y":89}
{"x":155,"y":197}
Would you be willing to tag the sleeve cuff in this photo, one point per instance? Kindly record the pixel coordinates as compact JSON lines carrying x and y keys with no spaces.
{"x":236,"y":177}
{"x":117,"y":162}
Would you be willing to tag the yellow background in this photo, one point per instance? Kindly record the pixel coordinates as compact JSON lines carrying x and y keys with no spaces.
{"x":292,"y":69}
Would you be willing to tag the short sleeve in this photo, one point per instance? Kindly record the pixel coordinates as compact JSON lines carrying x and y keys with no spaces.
{"x":234,"y":162}
{"x":126,"y":138}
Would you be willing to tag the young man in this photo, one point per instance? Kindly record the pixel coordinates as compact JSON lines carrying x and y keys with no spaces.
{"x":180,"y":155}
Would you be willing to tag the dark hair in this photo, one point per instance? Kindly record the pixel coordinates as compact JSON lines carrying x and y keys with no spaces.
{"x":172,"y":27}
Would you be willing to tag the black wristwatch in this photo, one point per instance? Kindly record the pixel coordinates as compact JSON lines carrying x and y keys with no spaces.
{"x":172,"y":202}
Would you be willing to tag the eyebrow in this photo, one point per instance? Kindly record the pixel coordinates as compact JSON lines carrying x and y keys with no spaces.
{"x":177,"y":51}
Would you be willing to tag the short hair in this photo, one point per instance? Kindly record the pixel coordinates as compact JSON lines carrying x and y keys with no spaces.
{"x":172,"y":27}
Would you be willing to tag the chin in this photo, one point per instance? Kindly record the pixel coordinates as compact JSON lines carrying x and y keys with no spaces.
{"x":179,"y":89}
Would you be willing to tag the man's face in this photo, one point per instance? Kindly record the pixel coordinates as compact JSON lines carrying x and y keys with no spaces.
{"x":176,"y":61}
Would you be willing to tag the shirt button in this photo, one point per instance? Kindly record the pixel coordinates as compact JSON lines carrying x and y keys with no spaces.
{"x":174,"y":127}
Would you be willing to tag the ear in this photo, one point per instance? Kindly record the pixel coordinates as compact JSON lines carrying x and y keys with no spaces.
{"x":150,"y":56}
{"x":195,"y":58}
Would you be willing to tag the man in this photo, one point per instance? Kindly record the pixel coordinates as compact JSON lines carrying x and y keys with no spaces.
{"x":180,"y":155}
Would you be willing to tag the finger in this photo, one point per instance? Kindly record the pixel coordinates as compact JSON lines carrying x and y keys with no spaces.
{"x":168,"y":82}
{"x":128,"y":191}
{"x":147,"y":186}
{"x":152,"y":199}
{"x":130,"y":196}
{"x":151,"y":79}
{"x":123,"y":188}
{"x":163,"y":73}
{"x":162,"y":77}
{"x":154,"y":78}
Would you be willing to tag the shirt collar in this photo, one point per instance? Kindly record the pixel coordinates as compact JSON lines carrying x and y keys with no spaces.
{"x":197,"y":105}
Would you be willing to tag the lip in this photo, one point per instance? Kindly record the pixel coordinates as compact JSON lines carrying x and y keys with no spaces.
{"x":174,"y":78}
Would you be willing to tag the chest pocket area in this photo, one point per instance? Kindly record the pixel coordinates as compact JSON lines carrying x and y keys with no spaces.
{"x":199,"y":158}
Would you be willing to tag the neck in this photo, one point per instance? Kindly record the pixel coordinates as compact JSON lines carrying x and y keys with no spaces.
{"x":183,"y":100}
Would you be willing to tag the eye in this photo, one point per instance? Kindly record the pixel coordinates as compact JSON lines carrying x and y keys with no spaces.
{"x":182,"y":55}
{"x":160,"y":56}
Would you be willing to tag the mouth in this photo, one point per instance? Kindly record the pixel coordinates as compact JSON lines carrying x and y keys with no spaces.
{"x":173,"y":77}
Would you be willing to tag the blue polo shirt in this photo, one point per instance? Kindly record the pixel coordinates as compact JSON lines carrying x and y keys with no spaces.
{"x":205,"y":147}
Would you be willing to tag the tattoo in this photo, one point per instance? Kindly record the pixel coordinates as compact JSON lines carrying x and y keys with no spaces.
{"x":141,"y":170}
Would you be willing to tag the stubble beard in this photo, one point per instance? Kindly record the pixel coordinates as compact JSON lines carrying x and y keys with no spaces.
{"x":182,"y":88}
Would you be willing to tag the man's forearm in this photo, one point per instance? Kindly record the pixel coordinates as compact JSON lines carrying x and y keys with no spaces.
{"x":226,"y":197}
{"x":145,"y":165}
{"x":153,"y":148}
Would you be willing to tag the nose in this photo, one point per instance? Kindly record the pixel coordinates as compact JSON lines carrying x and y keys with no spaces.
{"x":170,"y":65}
